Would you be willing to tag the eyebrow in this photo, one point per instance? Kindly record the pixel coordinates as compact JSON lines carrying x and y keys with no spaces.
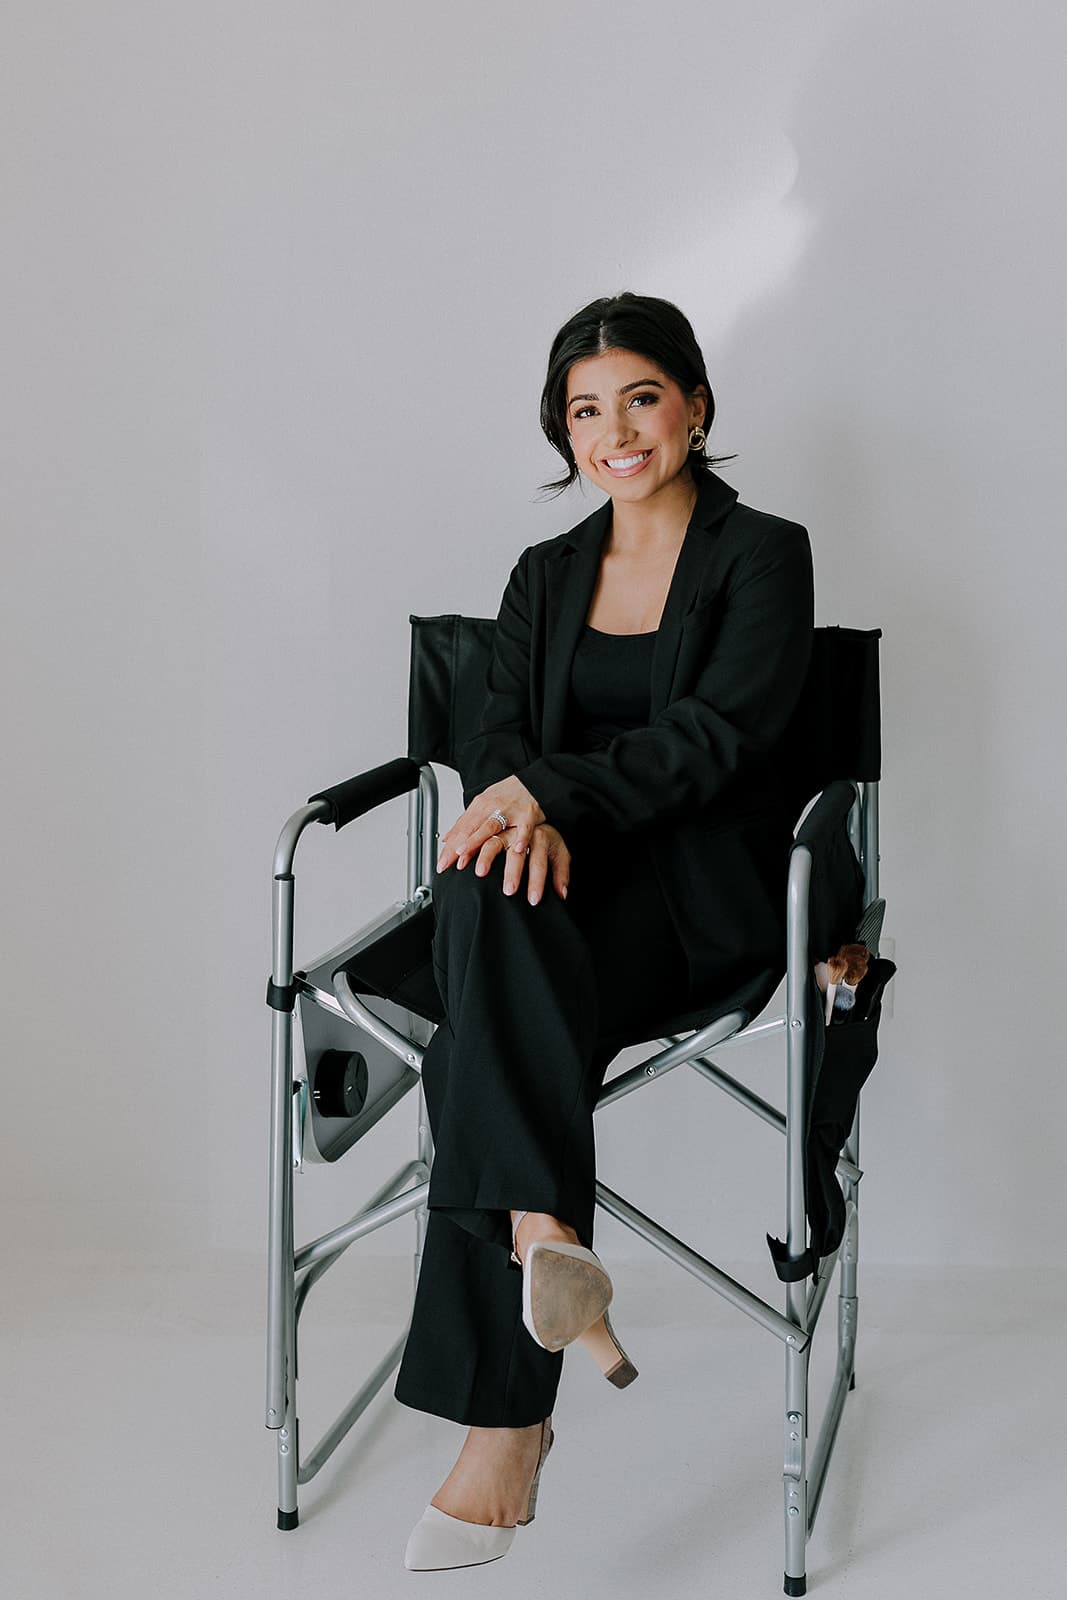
{"x":640,"y":384}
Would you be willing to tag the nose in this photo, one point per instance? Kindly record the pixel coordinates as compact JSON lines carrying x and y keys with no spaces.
{"x":624,"y":431}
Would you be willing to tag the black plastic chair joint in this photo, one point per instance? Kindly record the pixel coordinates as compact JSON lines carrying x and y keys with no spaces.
{"x":281,"y":996}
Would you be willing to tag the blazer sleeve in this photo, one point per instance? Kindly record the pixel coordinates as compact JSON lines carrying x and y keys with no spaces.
{"x":740,"y":705}
{"x":505,"y":741}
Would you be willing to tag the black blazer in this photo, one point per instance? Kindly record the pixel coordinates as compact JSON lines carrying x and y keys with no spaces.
{"x":727,"y":670}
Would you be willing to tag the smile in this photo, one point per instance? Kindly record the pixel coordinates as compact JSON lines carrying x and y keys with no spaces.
{"x":627,"y":463}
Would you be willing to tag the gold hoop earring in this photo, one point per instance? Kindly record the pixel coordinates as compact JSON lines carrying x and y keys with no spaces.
{"x":699,"y":441}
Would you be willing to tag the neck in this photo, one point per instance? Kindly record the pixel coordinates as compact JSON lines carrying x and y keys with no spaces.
{"x":654,"y":526}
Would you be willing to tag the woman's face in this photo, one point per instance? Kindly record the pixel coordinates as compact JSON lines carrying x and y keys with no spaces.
{"x":621,"y":405}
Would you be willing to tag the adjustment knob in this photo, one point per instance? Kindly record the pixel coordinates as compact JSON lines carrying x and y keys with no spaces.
{"x":341,"y":1083}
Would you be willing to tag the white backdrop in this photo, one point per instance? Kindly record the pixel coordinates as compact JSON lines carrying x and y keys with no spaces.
{"x":280,"y":284}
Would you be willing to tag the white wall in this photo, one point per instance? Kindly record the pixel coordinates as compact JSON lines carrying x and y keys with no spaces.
{"x":280,"y":283}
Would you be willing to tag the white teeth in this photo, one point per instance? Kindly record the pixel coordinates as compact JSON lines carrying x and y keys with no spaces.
{"x":619,"y":462}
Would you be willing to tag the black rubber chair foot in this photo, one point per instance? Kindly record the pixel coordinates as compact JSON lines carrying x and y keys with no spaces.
{"x":287,"y":1520}
{"x":795,"y":1585}
{"x":852,"y":1383}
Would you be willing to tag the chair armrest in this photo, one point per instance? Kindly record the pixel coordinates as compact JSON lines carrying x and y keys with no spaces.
{"x":356,"y":796}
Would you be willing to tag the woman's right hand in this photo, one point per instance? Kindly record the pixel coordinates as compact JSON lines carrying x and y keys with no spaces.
{"x":547,"y":853}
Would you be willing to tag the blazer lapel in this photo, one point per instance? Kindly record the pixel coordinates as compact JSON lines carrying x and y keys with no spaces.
{"x":714,"y":500}
{"x":570,"y":579}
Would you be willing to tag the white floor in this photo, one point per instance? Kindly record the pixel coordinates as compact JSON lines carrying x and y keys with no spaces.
{"x":138,"y":1463}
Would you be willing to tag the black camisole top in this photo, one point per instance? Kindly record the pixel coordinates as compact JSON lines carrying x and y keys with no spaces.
{"x":611,"y":686}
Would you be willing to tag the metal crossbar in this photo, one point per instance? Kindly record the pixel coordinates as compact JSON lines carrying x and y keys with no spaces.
{"x":293,"y":1272}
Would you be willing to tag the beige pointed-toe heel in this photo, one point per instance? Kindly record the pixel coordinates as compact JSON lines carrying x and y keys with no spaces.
{"x":565,"y":1288}
{"x":439,"y":1540}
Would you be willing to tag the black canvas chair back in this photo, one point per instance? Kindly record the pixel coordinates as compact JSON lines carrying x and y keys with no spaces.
{"x":446,"y":684}
{"x":835,"y":731}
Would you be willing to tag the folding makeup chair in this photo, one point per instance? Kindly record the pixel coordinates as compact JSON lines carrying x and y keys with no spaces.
{"x":369,"y":1007}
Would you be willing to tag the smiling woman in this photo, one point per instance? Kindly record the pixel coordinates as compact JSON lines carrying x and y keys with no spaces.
{"x":644,"y":665}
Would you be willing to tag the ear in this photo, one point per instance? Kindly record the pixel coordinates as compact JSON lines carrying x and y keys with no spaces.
{"x":698,"y":405}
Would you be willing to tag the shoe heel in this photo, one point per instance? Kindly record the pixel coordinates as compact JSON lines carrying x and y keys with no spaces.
{"x":609,"y":1355}
{"x":547,"y":1436}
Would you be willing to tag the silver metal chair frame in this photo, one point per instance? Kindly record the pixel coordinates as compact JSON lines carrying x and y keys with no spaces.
{"x":293,"y":1271}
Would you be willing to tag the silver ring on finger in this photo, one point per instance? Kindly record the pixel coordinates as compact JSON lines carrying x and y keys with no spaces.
{"x":499,"y":816}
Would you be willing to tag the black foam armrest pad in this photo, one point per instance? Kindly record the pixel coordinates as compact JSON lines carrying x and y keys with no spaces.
{"x":356,"y":796}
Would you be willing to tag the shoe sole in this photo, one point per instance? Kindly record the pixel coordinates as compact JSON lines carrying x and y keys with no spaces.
{"x":564,"y":1290}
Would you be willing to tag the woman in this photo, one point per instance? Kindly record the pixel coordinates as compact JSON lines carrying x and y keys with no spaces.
{"x":622,"y":858}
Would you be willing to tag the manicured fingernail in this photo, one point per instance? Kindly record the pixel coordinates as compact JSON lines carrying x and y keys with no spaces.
{"x":563,"y":891}
{"x":534,"y":898}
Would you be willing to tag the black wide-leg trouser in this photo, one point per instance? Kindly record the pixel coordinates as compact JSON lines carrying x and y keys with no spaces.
{"x":539,"y":1000}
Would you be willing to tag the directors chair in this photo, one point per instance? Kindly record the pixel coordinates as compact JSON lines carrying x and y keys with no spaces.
{"x":369,"y":1007}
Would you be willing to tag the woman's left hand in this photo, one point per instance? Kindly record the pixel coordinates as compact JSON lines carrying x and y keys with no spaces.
{"x":477,"y":824}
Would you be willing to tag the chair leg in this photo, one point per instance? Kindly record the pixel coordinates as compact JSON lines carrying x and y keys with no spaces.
{"x":288,"y":1433}
{"x":281,"y":1285}
{"x":848,"y":1288}
{"x":287,"y":1520}
{"x":794,"y":1477}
